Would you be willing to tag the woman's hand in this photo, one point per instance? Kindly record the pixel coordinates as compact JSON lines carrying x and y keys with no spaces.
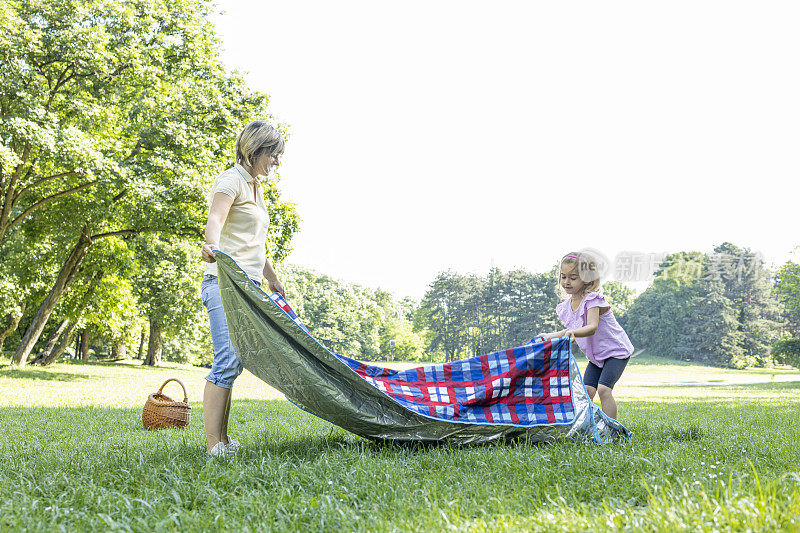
{"x":277,"y":286}
{"x":208,"y":253}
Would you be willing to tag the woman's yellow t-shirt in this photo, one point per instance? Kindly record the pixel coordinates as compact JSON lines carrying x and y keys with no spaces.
{"x":244,"y":233}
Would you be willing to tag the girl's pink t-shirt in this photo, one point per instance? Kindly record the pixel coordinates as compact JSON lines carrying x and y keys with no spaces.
{"x":610,"y":340}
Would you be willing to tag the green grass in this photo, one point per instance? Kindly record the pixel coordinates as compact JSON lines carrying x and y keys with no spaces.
{"x":706,"y":455}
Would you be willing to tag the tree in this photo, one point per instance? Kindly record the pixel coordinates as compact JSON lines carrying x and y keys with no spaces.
{"x":530,"y":301}
{"x":349,"y":319}
{"x":112,"y":113}
{"x":56,"y":66}
{"x":659,"y":317}
{"x":713,"y":334}
{"x":167,"y":285}
{"x":620,"y":296}
{"x":26,"y":268}
{"x":747,"y":285}
{"x":787,"y":351}
{"x":409,"y":346}
{"x":443,"y":310}
{"x":61,"y":337}
{"x":787,"y":290}
{"x":722,"y":311}
{"x":471,"y":315}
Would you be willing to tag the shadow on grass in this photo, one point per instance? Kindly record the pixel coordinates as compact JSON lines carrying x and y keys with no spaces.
{"x":42,"y":374}
{"x":778,"y":385}
{"x":655,"y":360}
{"x":126,"y":363}
{"x":757,"y":385}
{"x":310,"y":448}
{"x":48,"y":373}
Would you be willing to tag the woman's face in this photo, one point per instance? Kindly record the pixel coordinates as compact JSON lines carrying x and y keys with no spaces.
{"x":263,"y":164}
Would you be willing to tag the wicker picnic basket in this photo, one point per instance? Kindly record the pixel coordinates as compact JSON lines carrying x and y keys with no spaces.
{"x":161,"y":411}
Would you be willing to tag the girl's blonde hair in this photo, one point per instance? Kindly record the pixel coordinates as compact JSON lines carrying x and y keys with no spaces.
{"x":586,"y":264}
{"x":258,"y":138}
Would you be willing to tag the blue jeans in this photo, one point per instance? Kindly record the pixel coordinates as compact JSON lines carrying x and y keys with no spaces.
{"x":227,"y":364}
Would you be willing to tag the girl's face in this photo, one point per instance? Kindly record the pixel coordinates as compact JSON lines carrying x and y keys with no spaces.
{"x":570,"y":280}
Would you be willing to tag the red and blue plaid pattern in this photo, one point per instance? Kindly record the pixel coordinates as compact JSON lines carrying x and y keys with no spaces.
{"x":281,"y":302}
{"x":525,"y":386}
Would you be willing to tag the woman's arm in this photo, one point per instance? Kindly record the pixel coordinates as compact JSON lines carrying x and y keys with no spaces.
{"x":220,"y":206}
{"x":272,"y":280}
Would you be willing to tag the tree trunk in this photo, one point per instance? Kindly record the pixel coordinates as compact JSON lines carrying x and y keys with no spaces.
{"x":66,"y":340}
{"x":62,"y":346}
{"x":119,"y":350}
{"x":141,"y":345}
{"x":63,"y":281}
{"x":12,"y":327}
{"x":154,"y":345}
{"x":52,"y":341}
{"x":46,"y":358}
{"x":85,"y":345}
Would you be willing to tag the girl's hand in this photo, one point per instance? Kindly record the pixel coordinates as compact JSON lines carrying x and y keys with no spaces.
{"x":277,"y":286}
{"x":569,"y":333}
{"x":208,"y":253}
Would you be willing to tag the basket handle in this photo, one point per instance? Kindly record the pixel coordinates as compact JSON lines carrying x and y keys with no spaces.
{"x":185,"y":396}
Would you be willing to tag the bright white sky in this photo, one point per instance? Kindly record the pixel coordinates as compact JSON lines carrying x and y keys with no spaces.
{"x":434,"y":135}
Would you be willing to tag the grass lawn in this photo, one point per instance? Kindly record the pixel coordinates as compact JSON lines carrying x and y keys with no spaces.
{"x":713,"y":449}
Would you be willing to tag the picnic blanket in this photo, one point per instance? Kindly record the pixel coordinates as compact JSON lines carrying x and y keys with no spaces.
{"x":533,"y":392}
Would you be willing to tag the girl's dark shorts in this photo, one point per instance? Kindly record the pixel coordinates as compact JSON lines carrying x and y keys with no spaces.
{"x":608,"y":375}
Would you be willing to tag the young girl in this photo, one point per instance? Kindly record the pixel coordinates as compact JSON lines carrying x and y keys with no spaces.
{"x":590,"y":321}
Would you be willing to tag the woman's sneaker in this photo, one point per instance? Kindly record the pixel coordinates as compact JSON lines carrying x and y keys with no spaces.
{"x":220,"y":451}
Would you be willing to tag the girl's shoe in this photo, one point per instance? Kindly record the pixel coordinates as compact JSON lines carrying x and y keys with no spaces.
{"x":220,"y":451}
{"x":233,"y":445}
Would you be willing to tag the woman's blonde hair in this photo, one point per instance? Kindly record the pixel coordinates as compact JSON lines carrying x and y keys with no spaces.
{"x":586,"y":264}
{"x":258,"y":138}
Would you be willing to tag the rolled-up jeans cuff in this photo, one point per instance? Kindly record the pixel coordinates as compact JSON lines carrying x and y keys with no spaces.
{"x":219,"y":381}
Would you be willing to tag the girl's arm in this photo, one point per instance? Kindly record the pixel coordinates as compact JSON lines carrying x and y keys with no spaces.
{"x":592,"y":321}
{"x":554,"y":334}
{"x":220,"y":207}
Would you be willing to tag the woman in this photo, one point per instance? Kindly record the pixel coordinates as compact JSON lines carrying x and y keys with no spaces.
{"x":237,"y":225}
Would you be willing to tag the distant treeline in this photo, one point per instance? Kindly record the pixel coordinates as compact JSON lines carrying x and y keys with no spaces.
{"x":722,"y":307}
